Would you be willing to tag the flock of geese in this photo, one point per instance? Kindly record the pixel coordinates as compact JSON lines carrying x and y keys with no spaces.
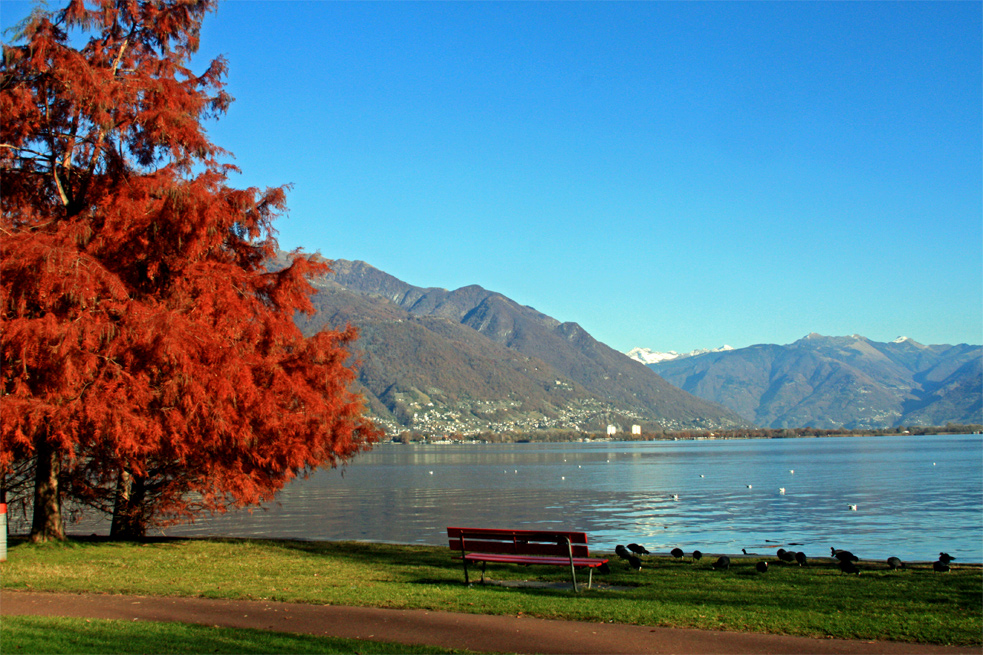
{"x":845,"y":560}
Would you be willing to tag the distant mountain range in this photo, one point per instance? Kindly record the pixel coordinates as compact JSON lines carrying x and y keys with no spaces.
{"x":472,"y":360}
{"x":835,"y":382}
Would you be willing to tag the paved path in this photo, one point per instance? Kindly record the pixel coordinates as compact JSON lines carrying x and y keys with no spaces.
{"x":506,"y":634}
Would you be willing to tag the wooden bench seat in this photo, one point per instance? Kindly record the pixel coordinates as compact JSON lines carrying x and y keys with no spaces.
{"x":528,"y":547}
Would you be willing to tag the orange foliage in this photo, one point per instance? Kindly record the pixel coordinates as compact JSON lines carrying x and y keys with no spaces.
{"x":146,"y":351}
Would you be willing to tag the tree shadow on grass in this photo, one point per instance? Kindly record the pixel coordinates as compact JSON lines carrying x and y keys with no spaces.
{"x":84,"y":541}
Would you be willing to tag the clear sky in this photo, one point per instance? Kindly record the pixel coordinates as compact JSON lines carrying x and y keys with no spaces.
{"x":673,"y":175}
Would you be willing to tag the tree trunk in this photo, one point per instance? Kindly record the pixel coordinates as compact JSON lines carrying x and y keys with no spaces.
{"x":128,"y":510}
{"x":121,"y":504}
{"x":47,"y":524}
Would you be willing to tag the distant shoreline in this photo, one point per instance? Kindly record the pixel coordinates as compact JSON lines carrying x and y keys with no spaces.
{"x":678,"y":435}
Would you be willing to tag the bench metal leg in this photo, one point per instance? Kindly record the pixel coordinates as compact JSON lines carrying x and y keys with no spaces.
{"x":573,"y":569}
{"x":464,"y":559}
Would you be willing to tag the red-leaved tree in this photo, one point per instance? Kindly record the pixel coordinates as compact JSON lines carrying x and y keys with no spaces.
{"x":150,"y":363}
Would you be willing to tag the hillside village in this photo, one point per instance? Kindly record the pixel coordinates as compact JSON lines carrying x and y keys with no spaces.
{"x":587,"y":416}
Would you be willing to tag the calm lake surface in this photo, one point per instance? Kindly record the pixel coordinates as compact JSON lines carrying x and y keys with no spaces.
{"x":915,"y":495}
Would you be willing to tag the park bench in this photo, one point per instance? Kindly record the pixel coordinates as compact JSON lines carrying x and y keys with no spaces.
{"x":529,"y":547}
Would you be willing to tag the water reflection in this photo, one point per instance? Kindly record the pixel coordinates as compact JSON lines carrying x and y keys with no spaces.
{"x":915,"y":496}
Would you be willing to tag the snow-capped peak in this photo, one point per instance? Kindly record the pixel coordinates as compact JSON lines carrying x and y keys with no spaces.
{"x":649,"y":356}
{"x":901,"y":340}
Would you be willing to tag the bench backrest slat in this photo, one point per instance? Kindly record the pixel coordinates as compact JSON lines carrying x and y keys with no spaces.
{"x":517,"y":542}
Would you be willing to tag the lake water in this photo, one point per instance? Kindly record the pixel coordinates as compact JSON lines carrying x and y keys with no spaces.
{"x":914,"y":495}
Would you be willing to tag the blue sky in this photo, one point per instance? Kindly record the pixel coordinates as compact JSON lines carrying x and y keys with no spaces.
{"x":668,"y":175}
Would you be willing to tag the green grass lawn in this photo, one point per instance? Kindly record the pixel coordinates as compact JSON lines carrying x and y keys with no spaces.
{"x":40,"y":635}
{"x":915,"y":604}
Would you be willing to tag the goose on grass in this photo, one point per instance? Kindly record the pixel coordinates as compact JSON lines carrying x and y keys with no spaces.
{"x":847,"y":566}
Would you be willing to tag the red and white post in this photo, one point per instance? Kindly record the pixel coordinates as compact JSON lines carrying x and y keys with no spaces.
{"x":3,"y":532}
